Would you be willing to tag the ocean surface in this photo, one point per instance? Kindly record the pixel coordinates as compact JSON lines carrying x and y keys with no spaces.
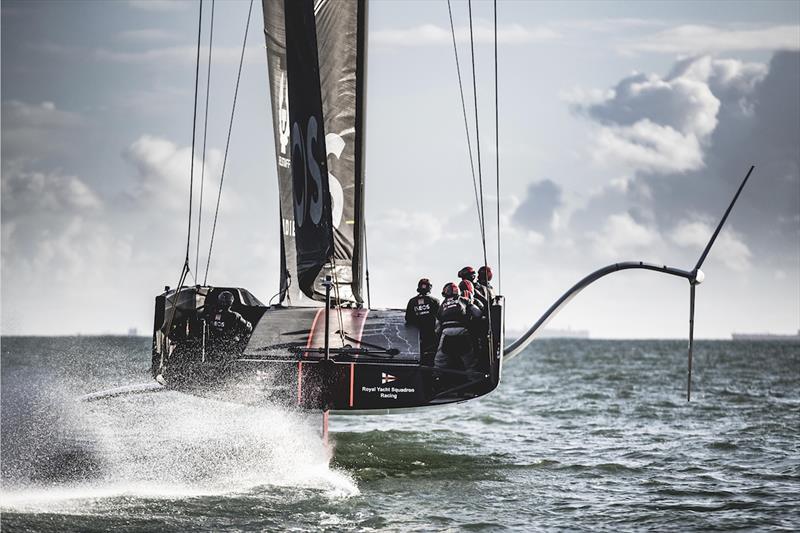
{"x":580,"y":435}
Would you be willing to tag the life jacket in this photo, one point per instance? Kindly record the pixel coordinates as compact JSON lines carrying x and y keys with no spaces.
{"x":486,"y":290}
{"x":422,"y":311}
{"x":453,"y":313}
{"x":224,"y":322}
{"x":485,"y":293}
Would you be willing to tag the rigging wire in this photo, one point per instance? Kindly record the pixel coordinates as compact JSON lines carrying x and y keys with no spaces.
{"x":185,"y":269}
{"x":339,"y":317}
{"x":366,"y":260}
{"x":477,"y":130}
{"x":480,"y":175}
{"x":466,"y":122}
{"x":205,"y":136}
{"x":496,"y":146}
{"x":194,"y":135}
{"x":228,"y":141}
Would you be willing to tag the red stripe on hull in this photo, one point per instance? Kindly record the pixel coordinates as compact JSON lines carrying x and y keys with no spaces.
{"x":359,"y":318}
{"x":352,"y":381}
{"x":309,"y":344}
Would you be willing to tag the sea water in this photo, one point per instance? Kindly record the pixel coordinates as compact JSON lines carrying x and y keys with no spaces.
{"x":581,"y":434}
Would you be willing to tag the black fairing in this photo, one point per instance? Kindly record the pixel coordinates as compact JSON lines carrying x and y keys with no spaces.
{"x":180,"y":337}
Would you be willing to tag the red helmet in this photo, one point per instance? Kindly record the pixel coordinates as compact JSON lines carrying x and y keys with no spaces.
{"x":485,"y":274}
{"x":450,"y":290}
{"x":424,"y":286}
{"x":467,"y":273}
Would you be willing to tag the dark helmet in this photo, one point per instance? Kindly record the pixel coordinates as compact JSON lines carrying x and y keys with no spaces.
{"x":485,"y":274}
{"x":467,"y":273}
{"x":424,"y":286}
{"x":225,"y":299}
{"x":450,"y":290}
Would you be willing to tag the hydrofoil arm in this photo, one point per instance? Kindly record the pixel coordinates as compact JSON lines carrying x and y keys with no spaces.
{"x":694,"y":276}
{"x":516,"y":347}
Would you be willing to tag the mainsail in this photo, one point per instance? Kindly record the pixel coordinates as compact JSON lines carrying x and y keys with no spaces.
{"x":317,"y":56}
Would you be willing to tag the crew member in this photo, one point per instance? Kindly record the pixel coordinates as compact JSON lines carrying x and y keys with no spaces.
{"x":468,"y":274}
{"x":226,"y":326}
{"x":456,"y":315}
{"x":422,"y":311}
{"x":477,"y":328}
{"x":484,"y":286}
{"x":467,"y":290}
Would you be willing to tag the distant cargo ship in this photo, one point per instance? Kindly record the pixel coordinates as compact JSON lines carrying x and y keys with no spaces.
{"x":765,"y":337}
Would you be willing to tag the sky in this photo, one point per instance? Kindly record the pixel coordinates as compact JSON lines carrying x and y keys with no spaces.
{"x":624,"y":130}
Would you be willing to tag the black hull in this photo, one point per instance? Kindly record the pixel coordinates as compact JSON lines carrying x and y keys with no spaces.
{"x":372,"y":362}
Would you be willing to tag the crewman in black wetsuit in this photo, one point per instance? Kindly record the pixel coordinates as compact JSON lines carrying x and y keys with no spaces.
{"x":467,"y":290}
{"x":225,"y":326}
{"x":468,"y":274}
{"x":422,"y":311}
{"x":484,"y":286}
{"x":456,"y":316}
{"x":479,"y":329}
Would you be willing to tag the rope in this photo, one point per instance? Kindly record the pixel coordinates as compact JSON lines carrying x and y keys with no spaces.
{"x":477,"y":130}
{"x":205,"y":135}
{"x":466,"y":122}
{"x":228,"y":142}
{"x":496,"y":146}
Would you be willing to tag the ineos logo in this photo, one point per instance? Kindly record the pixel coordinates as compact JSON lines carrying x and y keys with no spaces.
{"x":307,"y":181}
{"x":283,"y":113}
{"x":335,"y":146}
{"x":306,"y":174}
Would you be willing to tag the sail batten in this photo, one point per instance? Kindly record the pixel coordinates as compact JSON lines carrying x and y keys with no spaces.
{"x":317,"y":57}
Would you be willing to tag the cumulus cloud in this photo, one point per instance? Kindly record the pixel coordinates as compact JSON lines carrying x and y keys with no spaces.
{"x":693,"y":39}
{"x":621,"y":235}
{"x":649,"y":146}
{"x":537,"y":210}
{"x":483,"y":33}
{"x":688,"y":151}
{"x":57,"y":227}
{"x":27,"y":193}
{"x":664,"y":124}
{"x":729,"y":247}
{"x":162,"y":171}
{"x":683,"y":102}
